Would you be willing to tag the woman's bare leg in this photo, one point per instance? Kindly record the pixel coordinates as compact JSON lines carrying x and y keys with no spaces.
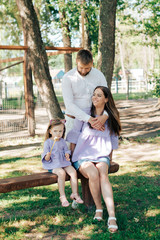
{"x":106,"y":189}
{"x":88,"y":170}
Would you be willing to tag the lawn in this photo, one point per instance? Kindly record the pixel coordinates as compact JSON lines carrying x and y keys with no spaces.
{"x":36,"y":213}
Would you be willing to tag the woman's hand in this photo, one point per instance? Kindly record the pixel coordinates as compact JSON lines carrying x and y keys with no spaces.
{"x":67,"y":156}
{"x":48,"y":156}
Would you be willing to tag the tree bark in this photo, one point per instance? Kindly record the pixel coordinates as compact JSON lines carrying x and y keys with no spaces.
{"x":65,"y":36}
{"x":28,"y":85}
{"x":87,"y":39}
{"x":106,"y":51}
{"x":85,"y":36}
{"x":38,"y":58}
{"x":29,"y":97}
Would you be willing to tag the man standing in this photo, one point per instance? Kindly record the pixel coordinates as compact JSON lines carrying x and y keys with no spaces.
{"x":77,"y":89}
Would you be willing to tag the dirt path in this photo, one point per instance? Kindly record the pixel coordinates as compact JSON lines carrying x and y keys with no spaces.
{"x":140,"y":118}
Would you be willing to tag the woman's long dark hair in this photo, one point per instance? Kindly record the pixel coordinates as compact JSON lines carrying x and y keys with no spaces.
{"x":110,"y":107}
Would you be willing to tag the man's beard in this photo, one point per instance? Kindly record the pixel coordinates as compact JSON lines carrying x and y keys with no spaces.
{"x":85,"y":73}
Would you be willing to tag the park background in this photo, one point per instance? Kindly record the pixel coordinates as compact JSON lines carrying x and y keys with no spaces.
{"x":36,"y":213}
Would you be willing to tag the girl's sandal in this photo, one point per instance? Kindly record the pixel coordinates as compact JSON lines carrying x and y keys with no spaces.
{"x":76,"y":197}
{"x":64,"y":201}
{"x":112,"y":228}
{"x":98,"y":218}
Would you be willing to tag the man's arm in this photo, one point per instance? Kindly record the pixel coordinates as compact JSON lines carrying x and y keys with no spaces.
{"x":69,"y":101}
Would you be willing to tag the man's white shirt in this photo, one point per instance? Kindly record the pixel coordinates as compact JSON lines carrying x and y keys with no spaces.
{"x":77,"y":91}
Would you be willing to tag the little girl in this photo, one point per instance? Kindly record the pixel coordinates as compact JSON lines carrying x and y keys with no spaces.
{"x":56,"y":159}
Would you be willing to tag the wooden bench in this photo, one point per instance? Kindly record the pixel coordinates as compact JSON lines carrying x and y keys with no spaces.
{"x":46,"y":178}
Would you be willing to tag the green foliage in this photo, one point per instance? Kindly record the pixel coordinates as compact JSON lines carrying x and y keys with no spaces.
{"x":137,"y":21}
{"x":156,"y":90}
{"x":10,"y":34}
{"x":154,"y":78}
{"x":69,"y":8}
{"x":72,"y":13}
{"x":56,"y":61}
{"x":10,"y":23}
{"x":144,"y":16}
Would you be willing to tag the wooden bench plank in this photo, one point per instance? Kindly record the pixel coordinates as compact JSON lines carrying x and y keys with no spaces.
{"x":46,"y":178}
{"x":37,"y":179}
{"x":28,"y":181}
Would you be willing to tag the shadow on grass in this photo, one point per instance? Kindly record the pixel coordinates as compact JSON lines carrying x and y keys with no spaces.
{"x":15,"y":159}
{"x":20,"y":146}
{"x":136,"y":196}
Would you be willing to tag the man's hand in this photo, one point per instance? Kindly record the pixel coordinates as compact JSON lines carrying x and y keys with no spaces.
{"x":98,"y":122}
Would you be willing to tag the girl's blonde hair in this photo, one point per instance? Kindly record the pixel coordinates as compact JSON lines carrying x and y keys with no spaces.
{"x":52,"y":123}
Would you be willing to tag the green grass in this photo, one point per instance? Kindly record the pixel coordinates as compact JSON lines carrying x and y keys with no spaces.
{"x":60,"y":99}
{"x":136,"y":96}
{"x":13,"y":103}
{"x":119,"y":96}
{"x":153,"y":140}
{"x":36,"y":213}
{"x":16,"y":103}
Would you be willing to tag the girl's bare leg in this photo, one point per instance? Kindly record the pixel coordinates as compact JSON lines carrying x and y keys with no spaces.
{"x":73,"y":178}
{"x":74,"y":183}
{"x":60,"y":172}
{"x":61,"y":179}
{"x":89,"y":170}
{"x":106,"y":189}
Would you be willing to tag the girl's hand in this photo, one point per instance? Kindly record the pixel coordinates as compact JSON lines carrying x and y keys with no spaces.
{"x":67,"y":156}
{"x":48,"y":156}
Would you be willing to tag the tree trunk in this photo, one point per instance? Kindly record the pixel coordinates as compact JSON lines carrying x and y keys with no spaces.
{"x":106,"y":51}
{"x":38,"y":58}
{"x":145,"y":63}
{"x":31,"y":105}
{"x":65,"y":36}
{"x":85,"y":37}
{"x":28,"y":85}
{"x":29,"y":97}
{"x":125,"y":77}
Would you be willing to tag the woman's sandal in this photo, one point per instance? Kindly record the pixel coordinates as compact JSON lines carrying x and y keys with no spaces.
{"x":76,"y":197}
{"x":64,"y":201}
{"x":113,"y":227}
{"x":98,"y":218}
